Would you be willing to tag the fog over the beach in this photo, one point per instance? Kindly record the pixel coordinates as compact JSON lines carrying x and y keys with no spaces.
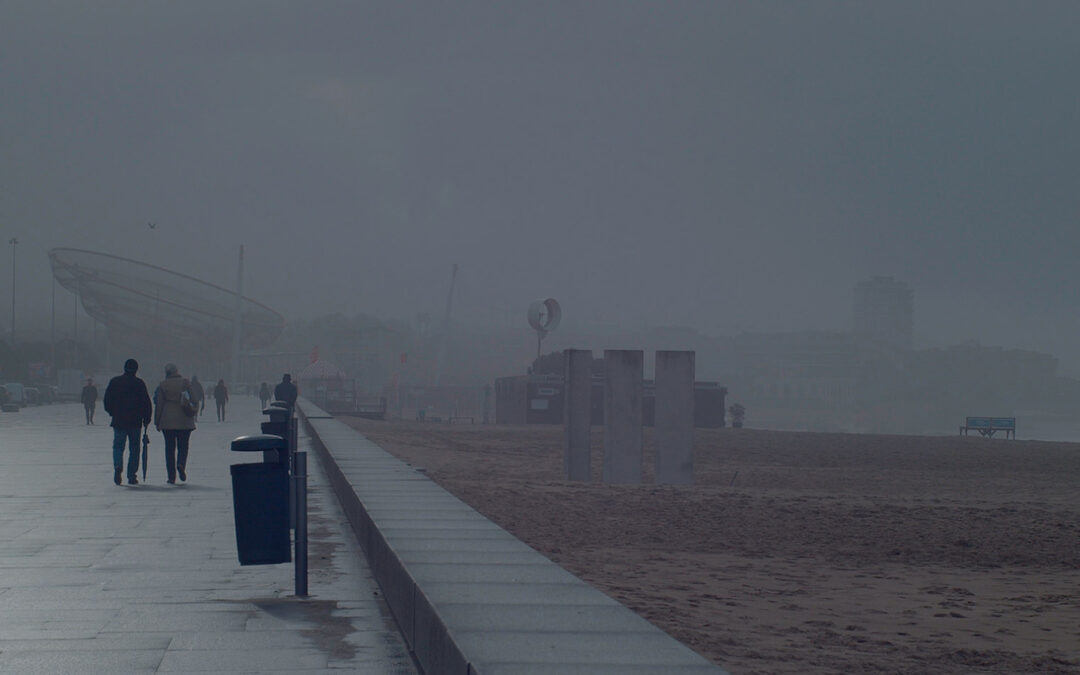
{"x":729,"y":166}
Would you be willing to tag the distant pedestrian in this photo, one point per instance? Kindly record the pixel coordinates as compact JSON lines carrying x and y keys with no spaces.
{"x":174,"y":417}
{"x":221,"y":397}
{"x":286,"y":390}
{"x":264,"y":394}
{"x":128,"y":402}
{"x":89,"y":400}
{"x":198,"y":396}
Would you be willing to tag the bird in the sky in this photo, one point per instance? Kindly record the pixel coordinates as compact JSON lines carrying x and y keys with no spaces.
{"x":151,"y":225}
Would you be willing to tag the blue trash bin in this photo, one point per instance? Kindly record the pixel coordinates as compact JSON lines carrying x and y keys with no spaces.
{"x":278,"y":424}
{"x":261,"y":503}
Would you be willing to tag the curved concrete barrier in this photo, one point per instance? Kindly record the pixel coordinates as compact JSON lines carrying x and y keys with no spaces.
{"x":469,"y":597}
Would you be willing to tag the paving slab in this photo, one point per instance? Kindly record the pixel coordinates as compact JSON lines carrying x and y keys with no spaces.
{"x":97,"y":578}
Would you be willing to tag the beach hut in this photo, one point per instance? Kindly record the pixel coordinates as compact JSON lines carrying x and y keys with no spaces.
{"x":327,"y":386}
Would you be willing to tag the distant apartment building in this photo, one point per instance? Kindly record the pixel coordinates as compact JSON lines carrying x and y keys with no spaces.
{"x":884,"y":311}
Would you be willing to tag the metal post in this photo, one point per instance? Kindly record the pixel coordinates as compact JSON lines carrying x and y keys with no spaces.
{"x":52,"y":328}
{"x":14,"y":242}
{"x":234,"y":366}
{"x":290,"y":457}
{"x":300,"y":552}
{"x":294,"y":437}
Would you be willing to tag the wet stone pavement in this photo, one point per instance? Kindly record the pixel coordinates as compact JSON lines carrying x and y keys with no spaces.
{"x":96,"y":578}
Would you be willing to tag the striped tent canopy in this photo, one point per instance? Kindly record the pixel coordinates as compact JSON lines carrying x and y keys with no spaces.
{"x":321,"y":370}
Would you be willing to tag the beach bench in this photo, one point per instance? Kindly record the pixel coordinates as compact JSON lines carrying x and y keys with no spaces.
{"x":988,"y":426}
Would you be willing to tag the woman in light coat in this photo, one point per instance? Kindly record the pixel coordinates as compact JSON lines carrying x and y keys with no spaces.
{"x":173,"y":422}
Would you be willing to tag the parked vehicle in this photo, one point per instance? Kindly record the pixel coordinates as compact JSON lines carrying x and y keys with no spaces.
{"x":16,"y":393}
{"x":5,"y":401}
{"x":32,"y":395}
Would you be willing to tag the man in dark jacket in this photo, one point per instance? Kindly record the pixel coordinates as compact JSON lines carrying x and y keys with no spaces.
{"x":89,"y":400}
{"x":286,"y":390}
{"x":127,"y":400}
{"x":198,"y":395}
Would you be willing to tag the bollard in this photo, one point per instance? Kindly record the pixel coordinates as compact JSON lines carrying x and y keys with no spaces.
{"x":300,"y":555}
{"x":278,"y":425}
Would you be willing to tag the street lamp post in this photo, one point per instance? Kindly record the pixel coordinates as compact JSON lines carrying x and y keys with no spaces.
{"x":14,"y":242}
{"x":52,"y":327}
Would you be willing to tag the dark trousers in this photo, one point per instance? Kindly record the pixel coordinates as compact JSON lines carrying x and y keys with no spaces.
{"x":176,"y":449}
{"x":220,"y":411}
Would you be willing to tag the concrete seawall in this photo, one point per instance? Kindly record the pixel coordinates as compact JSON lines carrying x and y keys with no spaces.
{"x":469,"y":597}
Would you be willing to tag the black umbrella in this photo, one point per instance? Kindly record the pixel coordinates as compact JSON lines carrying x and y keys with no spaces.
{"x":145,"y":446}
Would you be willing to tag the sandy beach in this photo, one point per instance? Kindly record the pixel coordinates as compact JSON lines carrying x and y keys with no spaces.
{"x":800,"y":552}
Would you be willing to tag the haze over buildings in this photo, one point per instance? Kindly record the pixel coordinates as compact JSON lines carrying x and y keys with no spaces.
{"x":726,"y":167}
{"x":884,"y":310}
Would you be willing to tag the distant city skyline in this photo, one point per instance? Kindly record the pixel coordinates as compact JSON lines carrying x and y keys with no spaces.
{"x":727,"y":166}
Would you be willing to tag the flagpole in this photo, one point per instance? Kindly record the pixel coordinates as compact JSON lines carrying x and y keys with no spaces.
{"x":237,"y":321}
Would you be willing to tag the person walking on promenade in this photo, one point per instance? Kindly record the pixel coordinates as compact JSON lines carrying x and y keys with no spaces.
{"x":264,"y":394}
{"x":128,"y":402}
{"x":89,"y":400}
{"x":286,"y":390}
{"x":174,"y":417}
{"x":198,"y":395}
{"x":221,"y":397}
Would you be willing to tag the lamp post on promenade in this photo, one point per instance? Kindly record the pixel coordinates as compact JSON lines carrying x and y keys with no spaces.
{"x":238,"y":324}
{"x":14,"y":242}
{"x":52,"y":326}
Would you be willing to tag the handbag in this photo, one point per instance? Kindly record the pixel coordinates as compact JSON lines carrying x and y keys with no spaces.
{"x":187,"y":405}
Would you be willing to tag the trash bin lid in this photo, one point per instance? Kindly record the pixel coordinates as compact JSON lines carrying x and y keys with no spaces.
{"x":279,"y":404}
{"x":258,"y":442}
{"x":276,"y":414}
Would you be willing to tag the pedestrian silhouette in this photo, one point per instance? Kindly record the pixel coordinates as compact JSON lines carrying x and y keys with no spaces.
{"x":128,"y":402}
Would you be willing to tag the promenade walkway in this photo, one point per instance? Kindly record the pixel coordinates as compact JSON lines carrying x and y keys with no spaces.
{"x":96,"y":578}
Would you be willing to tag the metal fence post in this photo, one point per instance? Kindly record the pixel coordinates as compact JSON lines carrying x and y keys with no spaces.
{"x":290,"y":445}
{"x":301,"y":544}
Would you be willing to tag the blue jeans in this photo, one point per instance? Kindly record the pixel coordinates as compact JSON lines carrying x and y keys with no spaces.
{"x":132,"y":437}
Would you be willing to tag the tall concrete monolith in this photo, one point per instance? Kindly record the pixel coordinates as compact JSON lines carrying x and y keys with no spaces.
{"x":577,"y":410}
{"x":674,"y":417}
{"x":623,"y":392}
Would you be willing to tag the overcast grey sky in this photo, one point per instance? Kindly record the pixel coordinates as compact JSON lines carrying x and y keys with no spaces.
{"x":731,"y":166}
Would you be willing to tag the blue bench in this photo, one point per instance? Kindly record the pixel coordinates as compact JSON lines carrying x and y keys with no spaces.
{"x":988,"y":426}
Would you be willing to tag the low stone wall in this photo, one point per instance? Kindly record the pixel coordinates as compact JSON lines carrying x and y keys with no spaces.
{"x":468,"y":596}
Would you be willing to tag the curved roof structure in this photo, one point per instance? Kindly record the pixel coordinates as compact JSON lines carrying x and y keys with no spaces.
{"x":138,"y":300}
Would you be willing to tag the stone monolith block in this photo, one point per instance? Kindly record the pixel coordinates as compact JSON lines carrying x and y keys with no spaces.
{"x":674,"y":461}
{"x":623,"y":393}
{"x":577,"y":411}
